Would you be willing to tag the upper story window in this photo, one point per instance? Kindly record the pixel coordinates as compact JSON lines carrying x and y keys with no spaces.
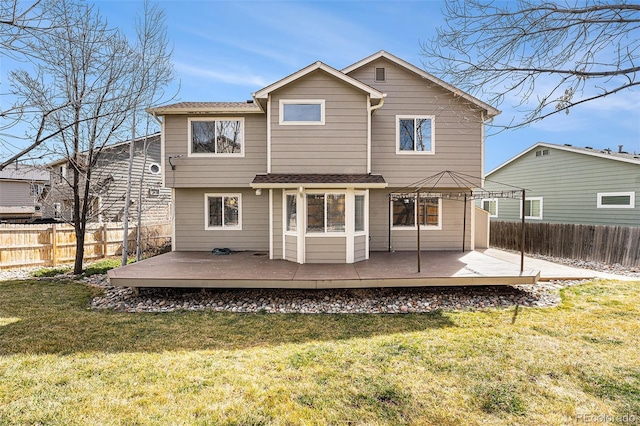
{"x":380,"y":75}
{"x":542,"y":152}
{"x":616,"y":200}
{"x":415,"y":134}
{"x":216,"y":136}
{"x":302,"y":111}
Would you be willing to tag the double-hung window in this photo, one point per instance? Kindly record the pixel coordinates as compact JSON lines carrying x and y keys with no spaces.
{"x":532,"y":208}
{"x":216,"y":136}
{"x":406,"y":215}
{"x":325,"y":213}
{"x":301,"y":111}
{"x":223,"y":211}
{"x":415,"y":134}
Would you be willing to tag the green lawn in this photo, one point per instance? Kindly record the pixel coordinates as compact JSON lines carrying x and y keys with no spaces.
{"x":63,"y":364}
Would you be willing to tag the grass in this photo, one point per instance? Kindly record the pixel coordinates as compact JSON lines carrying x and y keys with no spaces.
{"x":63,"y":364}
{"x":99,"y":267}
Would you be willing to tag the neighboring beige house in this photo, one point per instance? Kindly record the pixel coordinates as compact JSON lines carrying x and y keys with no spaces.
{"x":109,"y":185}
{"x":20,"y":190}
{"x":306,"y":170}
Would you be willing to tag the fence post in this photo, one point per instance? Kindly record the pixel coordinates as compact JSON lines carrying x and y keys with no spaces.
{"x":105,"y":245}
{"x":54,"y":246}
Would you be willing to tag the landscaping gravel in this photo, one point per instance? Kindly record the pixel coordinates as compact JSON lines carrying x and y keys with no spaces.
{"x":376,"y":300}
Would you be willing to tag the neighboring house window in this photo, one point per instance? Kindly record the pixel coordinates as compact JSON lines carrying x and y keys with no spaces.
{"x":291,"y":213}
{"x":35,"y":189}
{"x":61,"y":174}
{"x":380,"y":75}
{"x":405,"y":214}
{"x":223,"y":211}
{"x":532,"y":208}
{"x":616,"y":200}
{"x":325,"y":213}
{"x":216,"y":136}
{"x":57,"y":210}
{"x":154,"y":168}
{"x":415,"y":135}
{"x":490,"y":205}
{"x":302,"y":111}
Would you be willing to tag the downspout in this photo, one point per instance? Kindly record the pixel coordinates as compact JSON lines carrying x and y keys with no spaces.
{"x":372,"y":110}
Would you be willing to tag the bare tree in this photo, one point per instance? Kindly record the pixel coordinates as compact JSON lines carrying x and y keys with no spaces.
{"x":154,"y":71}
{"x":549,"y":56}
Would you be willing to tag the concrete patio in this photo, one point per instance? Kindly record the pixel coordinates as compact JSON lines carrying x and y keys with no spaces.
{"x":383,"y":269}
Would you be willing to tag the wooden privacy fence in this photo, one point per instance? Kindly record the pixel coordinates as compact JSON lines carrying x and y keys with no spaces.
{"x":54,"y":244}
{"x":608,"y":244}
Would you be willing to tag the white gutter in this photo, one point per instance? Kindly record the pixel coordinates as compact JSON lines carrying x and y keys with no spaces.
{"x":372,"y":110}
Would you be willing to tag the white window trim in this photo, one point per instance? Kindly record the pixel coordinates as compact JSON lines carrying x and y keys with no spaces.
{"x":224,"y":227}
{"x":433,"y":134}
{"x":284,"y":213}
{"x":214,"y":154}
{"x":284,"y":102}
{"x":415,"y":219}
{"x":631,"y":195}
{"x":324,"y":233}
{"x":365,"y":194}
{"x":490,"y":200}
{"x":541,"y":208}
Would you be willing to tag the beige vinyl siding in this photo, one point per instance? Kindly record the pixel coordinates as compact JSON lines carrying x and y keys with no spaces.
{"x":325,"y":250}
{"x":291,"y":248}
{"x":458,"y":127}
{"x":360,"y":248}
{"x":338,"y":146}
{"x":190,"y":221}
{"x":15,"y":193}
{"x":447,"y":238}
{"x":214,"y":171}
{"x":569,"y":183}
{"x":276,"y":222}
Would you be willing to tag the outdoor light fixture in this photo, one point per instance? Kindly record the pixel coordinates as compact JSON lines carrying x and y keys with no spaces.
{"x":173,"y":166}
{"x":258,"y":191}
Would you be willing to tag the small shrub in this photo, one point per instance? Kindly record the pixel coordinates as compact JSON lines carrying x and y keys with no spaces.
{"x":50,"y":272}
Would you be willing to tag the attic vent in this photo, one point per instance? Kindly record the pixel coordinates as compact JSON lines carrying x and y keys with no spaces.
{"x":380,"y":75}
{"x":542,"y":152}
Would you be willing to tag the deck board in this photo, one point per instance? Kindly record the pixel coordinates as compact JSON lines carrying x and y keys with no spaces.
{"x":383,"y":269}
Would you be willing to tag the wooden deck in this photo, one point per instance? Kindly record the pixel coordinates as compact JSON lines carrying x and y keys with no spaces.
{"x":383,"y":269}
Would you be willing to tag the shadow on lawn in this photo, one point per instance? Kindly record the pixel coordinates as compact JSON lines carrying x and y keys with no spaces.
{"x":39,"y":317}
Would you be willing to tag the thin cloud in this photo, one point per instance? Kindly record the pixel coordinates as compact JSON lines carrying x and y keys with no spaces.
{"x":228,"y":75}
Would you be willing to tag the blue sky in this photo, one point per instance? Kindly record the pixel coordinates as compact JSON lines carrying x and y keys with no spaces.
{"x":226,"y":50}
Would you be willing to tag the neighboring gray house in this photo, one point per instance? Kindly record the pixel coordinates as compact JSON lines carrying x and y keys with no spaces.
{"x":109,"y":184}
{"x":568,"y":184}
{"x":305,"y":169}
{"x":20,"y":190}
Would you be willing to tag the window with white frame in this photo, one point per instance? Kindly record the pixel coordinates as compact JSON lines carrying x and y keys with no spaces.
{"x":532,"y":208}
{"x":216,"y":136}
{"x":360,"y":212}
{"x":616,"y":200}
{"x":490,"y":205}
{"x":415,"y":134}
{"x":405,"y":214}
{"x":301,"y":111}
{"x":326,"y":213}
{"x":291,"y":219}
{"x":223,"y":211}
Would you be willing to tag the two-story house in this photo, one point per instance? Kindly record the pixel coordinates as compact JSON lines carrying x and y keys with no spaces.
{"x":108,"y":186}
{"x":21,"y":188}
{"x":304,"y":170}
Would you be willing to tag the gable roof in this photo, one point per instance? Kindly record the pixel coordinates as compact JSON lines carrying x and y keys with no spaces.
{"x":491,"y":111}
{"x":205,"y":108}
{"x":373,"y":93}
{"x":607,"y":154}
